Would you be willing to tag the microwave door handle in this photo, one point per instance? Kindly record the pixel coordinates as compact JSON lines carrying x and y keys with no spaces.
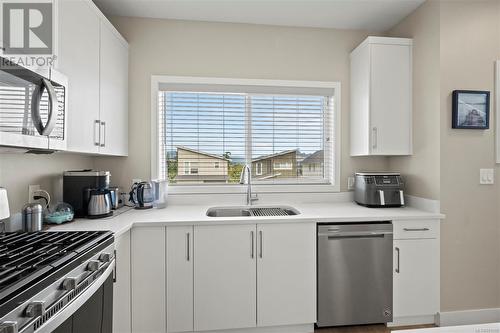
{"x":53,"y":107}
{"x":35,"y":109}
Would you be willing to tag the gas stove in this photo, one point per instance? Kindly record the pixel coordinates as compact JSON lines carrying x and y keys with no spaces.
{"x":43,"y":274}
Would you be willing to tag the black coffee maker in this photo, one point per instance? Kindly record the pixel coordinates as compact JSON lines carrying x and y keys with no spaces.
{"x":77,"y":183}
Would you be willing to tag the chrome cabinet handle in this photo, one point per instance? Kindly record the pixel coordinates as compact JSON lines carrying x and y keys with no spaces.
{"x":416,"y":229}
{"x":260,"y":245}
{"x":53,"y":108}
{"x":397,"y":266}
{"x":252,"y":254}
{"x":97,"y":132}
{"x":115,"y":268}
{"x":103,"y":124}
{"x":375,"y":138}
{"x":188,"y":241}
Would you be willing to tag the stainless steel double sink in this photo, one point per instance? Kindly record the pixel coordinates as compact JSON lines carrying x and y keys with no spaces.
{"x":251,"y":211}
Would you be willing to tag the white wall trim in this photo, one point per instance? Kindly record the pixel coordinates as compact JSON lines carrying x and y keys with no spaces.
{"x":306,"y":328}
{"x":497,"y":107}
{"x":413,"y":320}
{"x":157,"y":80}
{"x":468,"y":317}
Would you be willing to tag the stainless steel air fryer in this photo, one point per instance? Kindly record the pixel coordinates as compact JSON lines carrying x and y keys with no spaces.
{"x":379,"y":189}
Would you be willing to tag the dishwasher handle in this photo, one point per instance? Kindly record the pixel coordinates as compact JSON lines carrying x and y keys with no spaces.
{"x":351,"y":234}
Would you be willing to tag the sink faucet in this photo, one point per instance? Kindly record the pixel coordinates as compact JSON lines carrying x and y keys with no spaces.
{"x":246,"y":178}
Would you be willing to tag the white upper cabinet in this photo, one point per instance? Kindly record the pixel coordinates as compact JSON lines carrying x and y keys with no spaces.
{"x":381,"y":97}
{"x":79,"y":61}
{"x":113,"y":92}
{"x":94,"y":57}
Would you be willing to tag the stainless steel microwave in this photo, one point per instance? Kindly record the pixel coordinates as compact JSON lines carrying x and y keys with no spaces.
{"x":33,"y":107}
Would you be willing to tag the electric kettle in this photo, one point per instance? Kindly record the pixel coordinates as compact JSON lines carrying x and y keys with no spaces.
{"x":142,"y":195}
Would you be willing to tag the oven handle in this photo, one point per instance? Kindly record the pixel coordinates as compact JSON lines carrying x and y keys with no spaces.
{"x":74,"y":305}
{"x":53,"y":108}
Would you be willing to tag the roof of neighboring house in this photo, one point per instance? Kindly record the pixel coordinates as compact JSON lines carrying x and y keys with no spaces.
{"x":315,"y":157}
{"x":202,"y":177}
{"x":265,"y":157}
{"x":203,"y":153}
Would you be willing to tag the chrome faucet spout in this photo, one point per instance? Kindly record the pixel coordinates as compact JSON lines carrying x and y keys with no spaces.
{"x":246,"y":178}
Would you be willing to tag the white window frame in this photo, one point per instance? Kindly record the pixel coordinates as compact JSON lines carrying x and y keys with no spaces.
{"x":158,"y":80}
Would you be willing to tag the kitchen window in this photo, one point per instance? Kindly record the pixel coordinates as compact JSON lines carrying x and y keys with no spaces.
{"x":280,"y":130}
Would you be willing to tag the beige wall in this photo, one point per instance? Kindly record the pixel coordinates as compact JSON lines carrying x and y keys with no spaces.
{"x":455,"y":46}
{"x":470,"y":248}
{"x":421,"y":170}
{"x":187,"y":48}
{"x":17,"y":171}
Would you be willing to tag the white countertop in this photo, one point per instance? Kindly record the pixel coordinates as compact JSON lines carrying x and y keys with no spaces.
{"x":196,"y":215}
{"x":483,"y":328}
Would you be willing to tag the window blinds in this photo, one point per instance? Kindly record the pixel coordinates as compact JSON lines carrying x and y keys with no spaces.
{"x":207,"y":137}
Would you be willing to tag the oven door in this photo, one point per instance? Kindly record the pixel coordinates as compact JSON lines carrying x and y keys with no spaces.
{"x":91,"y":311}
{"x":32,"y":107}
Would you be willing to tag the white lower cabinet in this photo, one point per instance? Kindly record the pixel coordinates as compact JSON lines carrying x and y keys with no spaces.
{"x":180,"y":279}
{"x":148,"y":280}
{"x":240,"y":276}
{"x":286,"y":274}
{"x":416,"y":275}
{"x":224,"y":277}
{"x":121,"y":287}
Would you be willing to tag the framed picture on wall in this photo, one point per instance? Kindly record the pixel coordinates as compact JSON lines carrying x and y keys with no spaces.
{"x":471,"y":109}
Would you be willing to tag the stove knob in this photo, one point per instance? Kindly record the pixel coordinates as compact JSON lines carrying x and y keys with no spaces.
{"x":35,"y":309}
{"x":8,"y":327}
{"x":105,"y":257}
{"x":69,"y":284}
{"x":93,"y":265}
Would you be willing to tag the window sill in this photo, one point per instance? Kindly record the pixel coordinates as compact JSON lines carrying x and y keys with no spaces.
{"x":236,"y":189}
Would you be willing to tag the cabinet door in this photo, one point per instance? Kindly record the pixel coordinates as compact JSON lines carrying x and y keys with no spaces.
{"x":180,"y":279}
{"x":113,"y":93}
{"x":416,"y":277}
{"x":148,"y":280}
{"x":224,"y":277}
{"x":286,"y":274}
{"x":390,"y":99}
{"x":121,"y":288}
{"x":79,"y":61}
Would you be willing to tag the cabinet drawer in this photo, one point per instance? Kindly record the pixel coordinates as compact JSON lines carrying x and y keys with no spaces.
{"x":416,"y":229}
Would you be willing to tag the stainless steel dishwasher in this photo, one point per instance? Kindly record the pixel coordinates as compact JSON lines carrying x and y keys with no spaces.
{"x":354,"y":273}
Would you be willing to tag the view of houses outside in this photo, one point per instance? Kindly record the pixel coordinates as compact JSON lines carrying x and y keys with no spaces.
{"x":194,"y":167}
